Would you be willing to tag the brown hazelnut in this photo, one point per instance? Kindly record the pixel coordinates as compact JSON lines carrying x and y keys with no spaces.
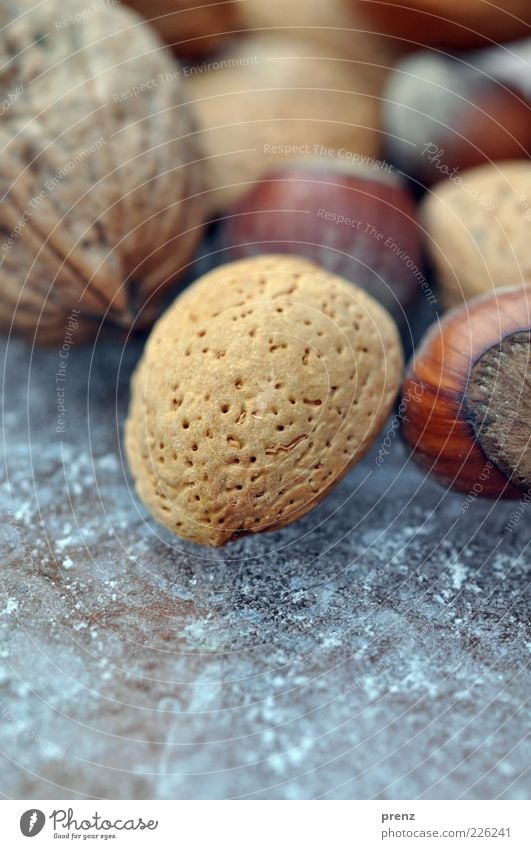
{"x":356,"y":221}
{"x":99,"y":191}
{"x":449,"y":23}
{"x":443,"y":115}
{"x":467,"y":397}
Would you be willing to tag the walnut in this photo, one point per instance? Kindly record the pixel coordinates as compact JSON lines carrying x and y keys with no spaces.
{"x":99,"y":181}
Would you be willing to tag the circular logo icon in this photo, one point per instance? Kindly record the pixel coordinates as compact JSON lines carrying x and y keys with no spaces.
{"x":32,"y":822}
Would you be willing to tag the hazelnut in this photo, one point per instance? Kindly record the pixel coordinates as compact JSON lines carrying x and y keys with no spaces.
{"x":449,"y":23}
{"x":278,"y":99}
{"x":191,"y":27}
{"x":99,"y":208}
{"x":467,"y":397}
{"x":358,"y":222}
{"x":442,"y":115}
{"x":258,"y":390}
{"x":478,"y":227}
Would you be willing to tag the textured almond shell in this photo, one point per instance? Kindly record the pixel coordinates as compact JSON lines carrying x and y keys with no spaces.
{"x":258,"y":390}
{"x":108,"y":232}
{"x":479,"y":229}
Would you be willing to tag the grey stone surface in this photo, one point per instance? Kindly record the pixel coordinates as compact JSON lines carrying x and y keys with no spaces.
{"x":377,"y":648}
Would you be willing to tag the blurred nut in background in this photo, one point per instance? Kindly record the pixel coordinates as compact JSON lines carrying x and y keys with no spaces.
{"x":479,"y":230}
{"x":339,"y":26}
{"x":274,"y":99}
{"x":94,"y":170}
{"x":509,"y":64}
{"x":449,"y":23}
{"x":358,"y":222}
{"x":191,"y":27}
{"x":444,"y":114}
{"x":467,"y":397}
{"x":265,"y":382}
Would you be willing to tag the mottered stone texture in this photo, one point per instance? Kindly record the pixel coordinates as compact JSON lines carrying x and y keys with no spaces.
{"x":375,"y":649}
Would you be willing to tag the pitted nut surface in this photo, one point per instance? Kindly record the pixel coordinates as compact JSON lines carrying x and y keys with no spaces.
{"x":258,"y":390}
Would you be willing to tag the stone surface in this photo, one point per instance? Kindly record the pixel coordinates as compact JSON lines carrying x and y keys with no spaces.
{"x":377,"y":648}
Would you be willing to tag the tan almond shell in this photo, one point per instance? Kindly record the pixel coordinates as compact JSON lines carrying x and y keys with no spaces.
{"x":259,"y":388}
{"x":98,"y":183}
{"x":479,"y":230}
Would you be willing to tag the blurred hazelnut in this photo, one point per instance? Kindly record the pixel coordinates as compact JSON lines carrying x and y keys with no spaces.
{"x":449,"y":23}
{"x":442,"y":115}
{"x":358,"y":222}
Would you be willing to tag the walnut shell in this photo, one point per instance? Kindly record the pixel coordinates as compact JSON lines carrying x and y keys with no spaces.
{"x":192,"y":27}
{"x":99,"y":208}
{"x":276,"y":99}
{"x":258,"y":390}
{"x":478,"y":227}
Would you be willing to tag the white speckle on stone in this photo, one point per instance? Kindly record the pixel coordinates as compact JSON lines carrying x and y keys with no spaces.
{"x":294,"y":757}
{"x":459,"y":574}
{"x":11,"y":607}
{"x":108,"y":461}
